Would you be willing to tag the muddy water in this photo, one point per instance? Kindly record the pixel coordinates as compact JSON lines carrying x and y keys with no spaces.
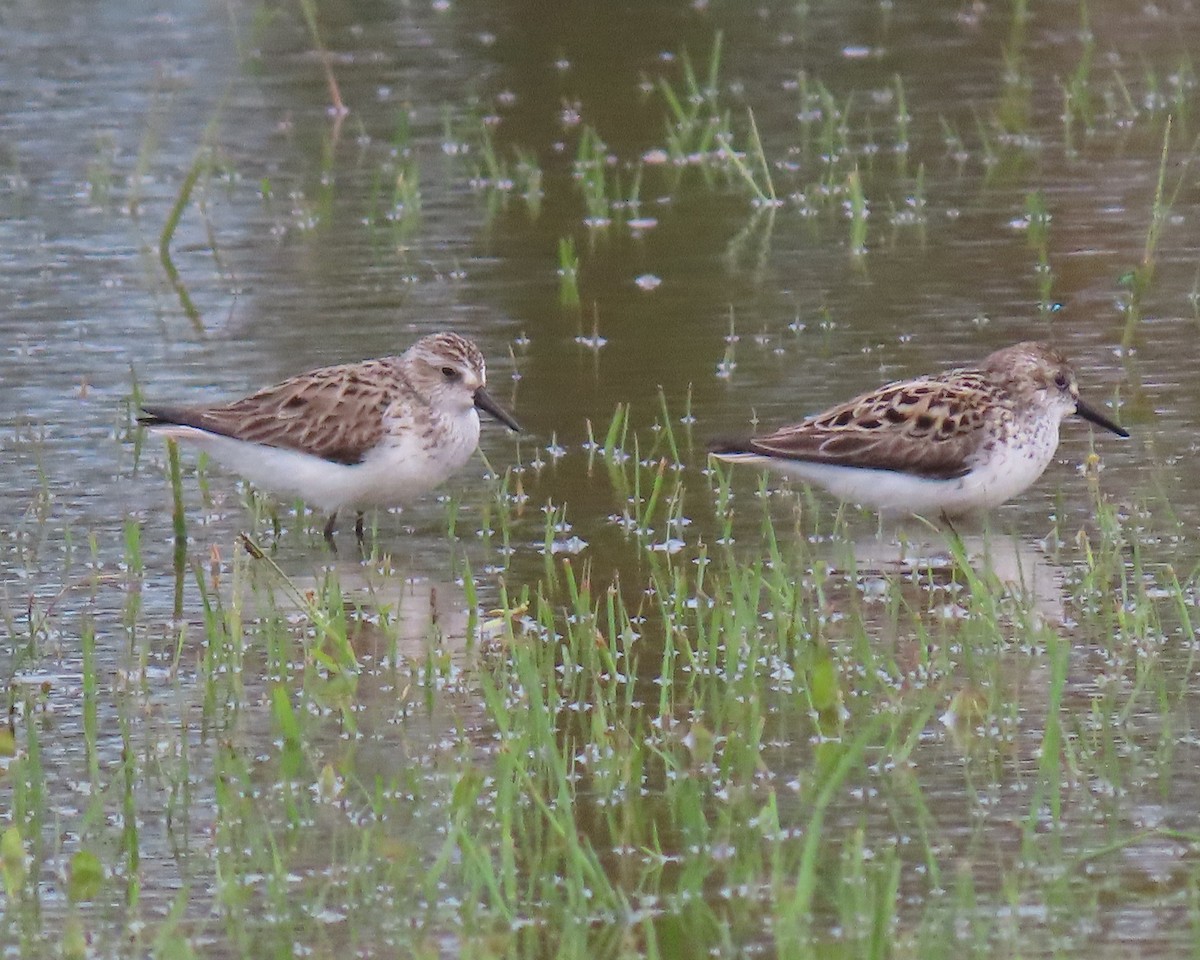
{"x":292,"y":253}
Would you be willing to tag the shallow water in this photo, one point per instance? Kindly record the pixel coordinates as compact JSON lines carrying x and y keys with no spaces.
{"x":292,"y":254}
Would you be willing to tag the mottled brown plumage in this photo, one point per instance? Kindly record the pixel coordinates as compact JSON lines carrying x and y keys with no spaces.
{"x":926,"y":428}
{"x":379,"y":432}
{"x":996,"y":423}
{"x":335,"y":413}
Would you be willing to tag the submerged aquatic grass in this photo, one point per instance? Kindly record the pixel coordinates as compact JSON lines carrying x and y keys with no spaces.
{"x":568,"y":275}
{"x":677,"y":711}
{"x":1037,"y":221}
{"x":1139,"y":279}
{"x":735,"y":744}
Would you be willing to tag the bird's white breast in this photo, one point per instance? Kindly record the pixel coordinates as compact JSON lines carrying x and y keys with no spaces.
{"x":415,"y":456}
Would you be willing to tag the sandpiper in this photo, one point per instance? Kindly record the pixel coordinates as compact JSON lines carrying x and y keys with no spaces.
{"x":376,"y":433}
{"x":949,"y":444}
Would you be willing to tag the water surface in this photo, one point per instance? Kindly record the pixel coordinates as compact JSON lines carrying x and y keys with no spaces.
{"x":305,"y":242}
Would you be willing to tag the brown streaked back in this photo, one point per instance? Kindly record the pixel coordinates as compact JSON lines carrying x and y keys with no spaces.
{"x":336,"y":413}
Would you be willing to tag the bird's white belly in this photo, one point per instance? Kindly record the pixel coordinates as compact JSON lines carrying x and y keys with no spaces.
{"x":406,"y":464}
{"x":998,"y":475}
{"x":888,"y":491}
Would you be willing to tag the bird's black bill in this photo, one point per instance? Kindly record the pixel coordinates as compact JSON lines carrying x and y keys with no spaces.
{"x":1099,"y":419}
{"x":485,"y":403}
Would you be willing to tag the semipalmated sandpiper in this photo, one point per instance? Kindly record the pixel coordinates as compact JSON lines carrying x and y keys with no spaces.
{"x":376,"y":433}
{"x":948,"y":444}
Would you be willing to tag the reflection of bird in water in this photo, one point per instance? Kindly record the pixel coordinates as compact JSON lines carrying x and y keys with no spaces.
{"x":1020,"y":568}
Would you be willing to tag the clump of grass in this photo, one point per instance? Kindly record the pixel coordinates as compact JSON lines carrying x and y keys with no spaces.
{"x":493,"y":170}
{"x":200,"y":167}
{"x":1013,"y":112}
{"x":568,"y":275}
{"x":757,"y":178}
{"x":527,"y":177}
{"x":1037,"y":226}
{"x":903,"y":119}
{"x":955,"y":148}
{"x":991,"y":156}
{"x":1139,"y":279}
{"x":912,"y":212}
{"x":591,"y":173}
{"x":1077,"y":90}
{"x":695,"y":123}
{"x":395,"y":192}
{"x":856,"y":213}
{"x":728,"y":362}
{"x":178,"y":521}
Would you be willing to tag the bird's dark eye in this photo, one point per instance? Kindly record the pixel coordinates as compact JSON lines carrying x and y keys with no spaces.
{"x":1061,"y":381}
{"x":449,"y":373}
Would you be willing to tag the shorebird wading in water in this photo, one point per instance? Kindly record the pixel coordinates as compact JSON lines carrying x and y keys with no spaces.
{"x":949,"y":444}
{"x":372,"y":434}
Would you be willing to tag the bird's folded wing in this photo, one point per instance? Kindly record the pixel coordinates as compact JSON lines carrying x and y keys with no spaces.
{"x":931,"y":429}
{"x":336,"y":413}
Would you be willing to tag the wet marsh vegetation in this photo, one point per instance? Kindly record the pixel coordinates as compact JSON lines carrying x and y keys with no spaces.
{"x":600,"y":696}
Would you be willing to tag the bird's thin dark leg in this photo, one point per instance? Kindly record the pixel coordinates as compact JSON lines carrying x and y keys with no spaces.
{"x":329,"y":525}
{"x":358,"y":530}
{"x":950,"y":525}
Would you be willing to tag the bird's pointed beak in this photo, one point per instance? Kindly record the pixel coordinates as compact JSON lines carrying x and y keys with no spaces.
{"x":484,"y":402}
{"x":1099,"y":419}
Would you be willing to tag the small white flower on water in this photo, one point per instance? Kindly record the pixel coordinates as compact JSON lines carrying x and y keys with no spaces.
{"x":572,"y":546}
